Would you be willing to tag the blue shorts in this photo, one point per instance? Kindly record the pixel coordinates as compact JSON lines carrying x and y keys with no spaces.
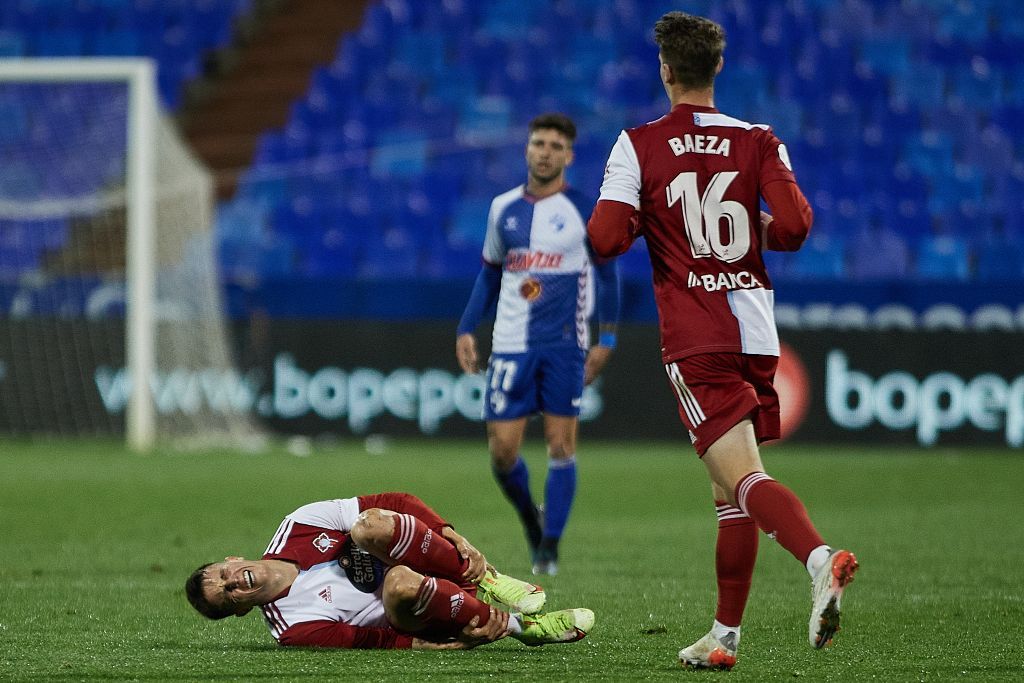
{"x":547,"y":381}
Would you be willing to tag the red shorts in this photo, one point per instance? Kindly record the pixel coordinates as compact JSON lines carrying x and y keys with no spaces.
{"x":717,"y":390}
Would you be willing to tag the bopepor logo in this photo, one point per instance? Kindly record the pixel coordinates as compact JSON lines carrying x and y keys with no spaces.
{"x":938,"y":402}
{"x":358,"y":395}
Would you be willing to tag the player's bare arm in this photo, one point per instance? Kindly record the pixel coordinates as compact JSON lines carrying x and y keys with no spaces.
{"x":466,"y":354}
{"x":597,"y":358}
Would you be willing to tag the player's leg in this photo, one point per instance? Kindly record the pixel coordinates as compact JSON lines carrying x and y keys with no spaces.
{"x":734,"y":464}
{"x":729,"y":404}
{"x":509,"y":399}
{"x":561,"y":393}
{"x":432,"y":608}
{"x":560,"y":433}
{"x":401,"y":539}
{"x":437,"y":610}
{"x":397,"y":538}
{"x":504,"y":441}
{"x":735,"y":556}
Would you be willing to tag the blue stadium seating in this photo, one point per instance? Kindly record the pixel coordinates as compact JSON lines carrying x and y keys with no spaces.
{"x":896,"y":115}
{"x":889,"y":125}
{"x":175,"y":33}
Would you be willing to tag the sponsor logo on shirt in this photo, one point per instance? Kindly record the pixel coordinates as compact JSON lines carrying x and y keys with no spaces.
{"x":511,"y":223}
{"x":531,"y":260}
{"x":727,"y":281}
{"x":323,"y":542}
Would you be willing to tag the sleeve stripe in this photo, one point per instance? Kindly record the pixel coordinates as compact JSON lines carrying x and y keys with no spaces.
{"x":280,"y":537}
{"x":275,"y":620}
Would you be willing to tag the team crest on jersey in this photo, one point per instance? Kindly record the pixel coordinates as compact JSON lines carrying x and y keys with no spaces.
{"x":558,"y":220}
{"x":511,"y":223}
{"x":323,"y":542}
{"x":530,"y":289}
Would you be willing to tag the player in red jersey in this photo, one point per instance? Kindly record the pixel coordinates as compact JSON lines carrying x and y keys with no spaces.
{"x":379,"y":571}
{"x":690,"y":183}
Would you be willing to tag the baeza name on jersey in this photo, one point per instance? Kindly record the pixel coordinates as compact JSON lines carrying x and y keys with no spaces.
{"x":702,"y":144}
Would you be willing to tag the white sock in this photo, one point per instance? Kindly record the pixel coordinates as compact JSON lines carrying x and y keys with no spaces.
{"x":719,"y":630}
{"x":817,"y":559}
{"x":515,"y":624}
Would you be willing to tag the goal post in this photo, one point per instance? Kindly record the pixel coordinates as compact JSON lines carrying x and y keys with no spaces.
{"x":137,"y":210}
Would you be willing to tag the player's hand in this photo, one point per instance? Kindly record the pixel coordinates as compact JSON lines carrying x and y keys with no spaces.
{"x":597,"y":358}
{"x":496,"y":628}
{"x":465,"y":353}
{"x":471,"y":635}
{"x":477,"y":562}
{"x":766,"y":219}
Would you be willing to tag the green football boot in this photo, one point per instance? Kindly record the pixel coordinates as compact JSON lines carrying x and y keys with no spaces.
{"x":511,"y":594}
{"x":563,"y":626}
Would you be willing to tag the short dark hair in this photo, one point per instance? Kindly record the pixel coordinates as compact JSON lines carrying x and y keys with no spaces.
{"x":555,"y":121}
{"x":692,"y":46}
{"x":197,"y":598}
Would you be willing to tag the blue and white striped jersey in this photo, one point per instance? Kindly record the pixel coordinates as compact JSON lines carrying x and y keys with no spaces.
{"x":546,"y":285}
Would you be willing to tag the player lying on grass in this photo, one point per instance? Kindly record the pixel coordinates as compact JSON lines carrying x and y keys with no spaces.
{"x":379,"y":571}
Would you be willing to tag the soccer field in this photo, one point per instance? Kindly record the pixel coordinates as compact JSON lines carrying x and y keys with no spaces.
{"x":95,"y":545}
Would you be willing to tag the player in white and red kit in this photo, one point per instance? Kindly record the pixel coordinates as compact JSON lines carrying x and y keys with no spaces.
{"x":691,"y":183}
{"x":379,"y":571}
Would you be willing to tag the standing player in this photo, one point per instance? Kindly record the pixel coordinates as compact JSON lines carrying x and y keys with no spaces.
{"x":379,"y":571}
{"x":690,"y":183}
{"x":537,"y":264}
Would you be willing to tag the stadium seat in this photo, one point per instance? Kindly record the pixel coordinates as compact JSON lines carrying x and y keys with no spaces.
{"x":12,"y":44}
{"x":998,"y":259}
{"x":877,"y":252}
{"x":942,"y":257}
{"x":394,"y":254}
{"x":877,"y":102}
{"x":469,"y":223}
{"x":822,"y":257}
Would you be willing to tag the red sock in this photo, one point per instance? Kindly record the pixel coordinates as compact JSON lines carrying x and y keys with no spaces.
{"x":735,"y":554}
{"x":417,"y":547}
{"x":779,"y":513}
{"x":445,"y":607}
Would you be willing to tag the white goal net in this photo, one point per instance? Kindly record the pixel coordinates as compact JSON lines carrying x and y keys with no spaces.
{"x":112,"y":314}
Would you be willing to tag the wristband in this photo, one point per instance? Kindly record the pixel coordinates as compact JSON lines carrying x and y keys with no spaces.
{"x":607,"y":339}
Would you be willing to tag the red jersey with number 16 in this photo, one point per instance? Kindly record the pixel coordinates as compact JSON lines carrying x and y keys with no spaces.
{"x":696,"y":176}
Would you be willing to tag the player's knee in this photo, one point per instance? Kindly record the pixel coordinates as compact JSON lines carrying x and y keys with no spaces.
{"x":503,"y":451}
{"x":401,"y":585}
{"x":372,"y":527}
{"x":560,"y":450}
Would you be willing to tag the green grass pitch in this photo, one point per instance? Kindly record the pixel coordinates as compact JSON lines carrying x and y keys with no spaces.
{"x":95,"y":544}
